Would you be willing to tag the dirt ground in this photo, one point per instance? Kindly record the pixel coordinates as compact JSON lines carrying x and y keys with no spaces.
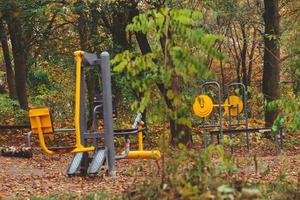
{"x":44,"y":175}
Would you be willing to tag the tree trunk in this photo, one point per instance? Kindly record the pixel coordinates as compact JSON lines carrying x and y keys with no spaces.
{"x":8,"y":66}
{"x":251,"y":57}
{"x":179,"y":133}
{"x":144,"y":48}
{"x":271,"y":69}
{"x":119,"y":34}
{"x":90,"y":79}
{"x":244,"y":54}
{"x":237,"y":57}
{"x":19,"y":54}
{"x":120,"y":43}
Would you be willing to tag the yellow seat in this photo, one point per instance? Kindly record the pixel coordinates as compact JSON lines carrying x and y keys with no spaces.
{"x":41,"y":124}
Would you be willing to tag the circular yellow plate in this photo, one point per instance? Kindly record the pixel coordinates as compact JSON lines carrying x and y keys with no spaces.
{"x":203,"y":106}
{"x":237,"y":106}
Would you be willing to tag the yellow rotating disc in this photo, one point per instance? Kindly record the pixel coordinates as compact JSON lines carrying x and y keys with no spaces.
{"x":236,"y":106}
{"x":203,"y":106}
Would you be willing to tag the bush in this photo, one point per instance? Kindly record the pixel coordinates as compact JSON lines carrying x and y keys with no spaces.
{"x":208,"y":175}
{"x":11,"y":112}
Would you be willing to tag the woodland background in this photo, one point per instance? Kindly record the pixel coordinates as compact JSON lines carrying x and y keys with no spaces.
{"x":254,"y":42}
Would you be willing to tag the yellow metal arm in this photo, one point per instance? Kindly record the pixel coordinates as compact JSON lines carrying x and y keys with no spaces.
{"x":141,"y":153}
{"x":79,"y":147}
{"x":41,"y":137}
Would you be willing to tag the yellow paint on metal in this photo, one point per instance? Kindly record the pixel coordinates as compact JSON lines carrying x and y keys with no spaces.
{"x":236,"y":106}
{"x":203,"y":106}
{"x":79,"y":147}
{"x":41,"y":124}
{"x":45,"y":120}
{"x":78,"y":57}
{"x":40,"y":119}
{"x":141,"y":154}
{"x":144,"y":155}
{"x":140,"y":136}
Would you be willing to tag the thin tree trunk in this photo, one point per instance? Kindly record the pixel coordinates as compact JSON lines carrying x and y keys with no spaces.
{"x":179,"y":133}
{"x":90,"y":80}
{"x":8,"y":65}
{"x":144,"y":48}
{"x":120,"y":43}
{"x":244,"y":54}
{"x":19,"y":54}
{"x":251,"y":57}
{"x":238,"y":60}
{"x":271,"y":69}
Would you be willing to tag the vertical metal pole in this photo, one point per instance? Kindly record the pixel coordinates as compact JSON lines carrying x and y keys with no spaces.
{"x":205,"y":139}
{"x":246,"y":115}
{"x":107,"y":112}
{"x":82,"y":117}
{"x":140,"y":138}
{"x":82,"y":122}
{"x":277,"y":146}
{"x":220,"y":112}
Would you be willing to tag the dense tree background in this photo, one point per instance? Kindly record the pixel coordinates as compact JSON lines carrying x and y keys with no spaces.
{"x":258,"y":41}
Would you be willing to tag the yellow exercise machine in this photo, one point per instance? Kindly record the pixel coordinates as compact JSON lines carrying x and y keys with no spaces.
{"x":89,"y":158}
{"x":140,"y":153}
{"x":233,"y":111}
{"x":41,"y":123}
{"x":203,"y":105}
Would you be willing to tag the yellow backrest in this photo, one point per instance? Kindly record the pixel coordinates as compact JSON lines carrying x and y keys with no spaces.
{"x":40,"y":117}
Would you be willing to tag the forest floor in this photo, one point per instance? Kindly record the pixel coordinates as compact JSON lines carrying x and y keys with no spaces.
{"x":44,"y":175}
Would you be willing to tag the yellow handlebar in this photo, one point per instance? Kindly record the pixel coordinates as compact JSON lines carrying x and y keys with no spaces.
{"x":79,"y":147}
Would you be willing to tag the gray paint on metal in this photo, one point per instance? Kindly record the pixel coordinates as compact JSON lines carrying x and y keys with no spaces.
{"x":107,"y":111}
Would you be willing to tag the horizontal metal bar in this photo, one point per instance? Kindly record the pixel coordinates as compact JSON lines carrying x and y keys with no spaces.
{"x":25,"y":126}
{"x":249,"y":130}
{"x":209,"y":126}
{"x":93,"y":63}
{"x":126,"y":133}
{"x":64,"y":130}
{"x":95,"y":135}
{"x":241,"y":124}
{"x":117,"y":132}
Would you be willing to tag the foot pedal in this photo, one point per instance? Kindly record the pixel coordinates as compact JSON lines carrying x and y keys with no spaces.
{"x":75,"y":163}
{"x":97,"y":162}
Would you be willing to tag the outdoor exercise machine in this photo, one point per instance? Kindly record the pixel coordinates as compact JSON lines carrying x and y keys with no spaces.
{"x":234,"y":111}
{"x":90,"y":152}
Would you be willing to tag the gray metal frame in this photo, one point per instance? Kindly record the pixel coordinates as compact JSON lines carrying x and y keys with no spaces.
{"x":241,"y":120}
{"x":203,"y":86}
{"x":87,"y":163}
{"x":107,"y":112}
{"x":91,"y":60}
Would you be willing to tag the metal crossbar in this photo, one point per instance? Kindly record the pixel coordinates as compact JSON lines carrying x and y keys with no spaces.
{"x":8,"y":127}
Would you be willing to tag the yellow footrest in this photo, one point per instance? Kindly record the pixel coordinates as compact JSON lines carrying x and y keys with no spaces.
{"x":144,"y":154}
{"x":83,"y":149}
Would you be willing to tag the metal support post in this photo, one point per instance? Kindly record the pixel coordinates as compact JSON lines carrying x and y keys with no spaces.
{"x":107,"y":112}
